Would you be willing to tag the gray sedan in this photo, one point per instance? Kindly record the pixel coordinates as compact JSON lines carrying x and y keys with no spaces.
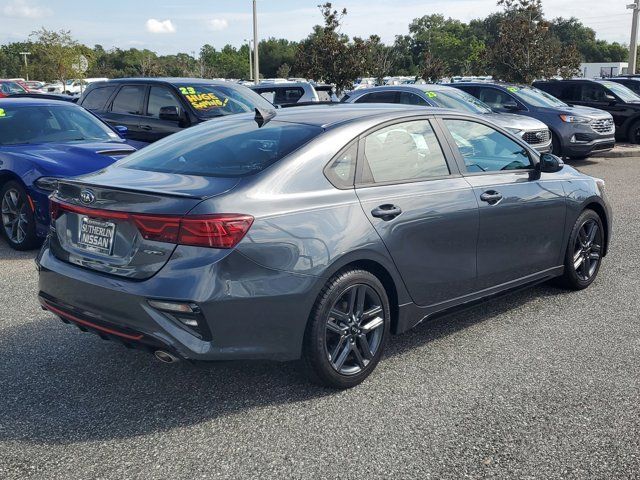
{"x":314,"y":233}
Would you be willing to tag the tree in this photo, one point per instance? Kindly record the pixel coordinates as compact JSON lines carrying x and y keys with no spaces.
{"x":526,"y":49}
{"x":432,"y":69}
{"x":283,"y":71}
{"x":58,"y":53}
{"x":572,"y":31}
{"x":328,"y":55}
{"x":380,"y":58}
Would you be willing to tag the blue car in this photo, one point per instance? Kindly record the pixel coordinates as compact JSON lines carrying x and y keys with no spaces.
{"x":42,"y":140}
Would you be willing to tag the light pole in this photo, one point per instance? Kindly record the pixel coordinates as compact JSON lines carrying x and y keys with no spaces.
{"x":250,"y":60}
{"x":256,"y":64}
{"x":26,"y":65}
{"x":633,"y":44}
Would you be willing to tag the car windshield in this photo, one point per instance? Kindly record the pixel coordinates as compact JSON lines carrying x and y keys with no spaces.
{"x":623,"y":93}
{"x":9,"y":88}
{"x":536,"y":97}
{"x":218,"y":100}
{"x":227,"y":149}
{"x":457,"y":100}
{"x":51,"y":124}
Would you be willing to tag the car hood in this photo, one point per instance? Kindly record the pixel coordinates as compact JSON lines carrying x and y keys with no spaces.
{"x":511,"y":120}
{"x":67,"y":160}
{"x":593,"y":113}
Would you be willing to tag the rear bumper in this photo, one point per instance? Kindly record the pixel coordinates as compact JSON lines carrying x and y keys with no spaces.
{"x":261,"y":316}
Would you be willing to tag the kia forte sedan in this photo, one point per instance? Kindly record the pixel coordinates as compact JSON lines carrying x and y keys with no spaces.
{"x":314,"y":233}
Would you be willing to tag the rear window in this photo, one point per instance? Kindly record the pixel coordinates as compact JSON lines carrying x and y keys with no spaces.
{"x":226,"y":149}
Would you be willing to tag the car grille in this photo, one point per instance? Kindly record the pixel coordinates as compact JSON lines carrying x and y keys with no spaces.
{"x":604,"y":125}
{"x":536,"y":137}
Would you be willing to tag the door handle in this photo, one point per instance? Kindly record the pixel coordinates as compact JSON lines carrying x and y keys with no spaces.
{"x":145,"y":127}
{"x":491,"y":197}
{"x":386,"y":211}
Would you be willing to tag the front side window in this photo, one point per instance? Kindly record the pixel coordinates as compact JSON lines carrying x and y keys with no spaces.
{"x":484,"y":149}
{"x":160,"y":97}
{"x":406,"y":151}
{"x":408,"y":98}
{"x":96,"y":98}
{"x":593,"y":92}
{"x":495,"y":98}
{"x":128,"y":100}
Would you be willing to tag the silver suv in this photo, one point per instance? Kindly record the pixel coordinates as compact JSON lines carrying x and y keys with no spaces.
{"x":532,"y":131}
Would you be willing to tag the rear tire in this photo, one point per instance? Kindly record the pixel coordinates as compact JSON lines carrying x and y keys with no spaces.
{"x":584,"y":252}
{"x":18,"y":222}
{"x":347,"y":330}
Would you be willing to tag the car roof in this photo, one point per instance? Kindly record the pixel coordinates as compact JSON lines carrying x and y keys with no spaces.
{"x":489,"y":84}
{"x":171,"y":80}
{"x":280,"y":85}
{"x":330,"y":115}
{"x":423,"y":87}
{"x":32,"y":101}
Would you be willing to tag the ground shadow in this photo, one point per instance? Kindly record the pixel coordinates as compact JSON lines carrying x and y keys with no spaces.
{"x":62,"y":386}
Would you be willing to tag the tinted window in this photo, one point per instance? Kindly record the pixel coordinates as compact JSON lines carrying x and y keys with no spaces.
{"x":283,"y":95}
{"x":378,"y":97}
{"x":408,"y":98}
{"x":593,"y":92}
{"x":228,"y":149}
{"x":96,"y":98}
{"x":160,"y":97}
{"x":620,"y":91}
{"x":342,"y":169}
{"x":128,"y":100}
{"x":485,"y":149}
{"x":218,"y":100}
{"x":495,"y":98}
{"x":43,"y":124}
{"x":403,"y":152}
{"x":632,"y":85}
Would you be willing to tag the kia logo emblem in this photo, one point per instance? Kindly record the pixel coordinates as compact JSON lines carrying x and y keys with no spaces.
{"x":87,"y":197}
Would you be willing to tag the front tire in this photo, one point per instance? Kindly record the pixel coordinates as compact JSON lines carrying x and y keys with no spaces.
{"x":634,"y":132}
{"x":18,"y":221}
{"x":584,"y":252}
{"x":347,"y":330}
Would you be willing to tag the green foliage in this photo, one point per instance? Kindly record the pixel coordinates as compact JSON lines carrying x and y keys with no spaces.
{"x":515,"y":44}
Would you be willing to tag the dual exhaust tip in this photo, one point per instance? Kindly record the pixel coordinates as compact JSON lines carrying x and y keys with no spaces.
{"x":165,"y":357}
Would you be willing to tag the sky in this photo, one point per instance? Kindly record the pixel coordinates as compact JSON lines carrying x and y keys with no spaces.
{"x":185,"y":25}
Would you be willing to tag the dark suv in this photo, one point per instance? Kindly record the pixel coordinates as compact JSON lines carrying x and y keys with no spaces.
{"x":631,"y":82}
{"x":576,"y":131}
{"x":152,"y":108}
{"x":618,"y":100}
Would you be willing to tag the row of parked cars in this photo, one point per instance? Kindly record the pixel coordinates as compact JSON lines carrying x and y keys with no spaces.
{"x":313,"y":232}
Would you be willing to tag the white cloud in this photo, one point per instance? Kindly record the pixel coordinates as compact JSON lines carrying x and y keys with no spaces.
{"x":160,"y":26}
{"x":21,"y":9}
{"x":217,"y":24}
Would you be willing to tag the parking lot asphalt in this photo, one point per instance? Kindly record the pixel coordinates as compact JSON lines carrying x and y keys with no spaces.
{"x":538,"y":384}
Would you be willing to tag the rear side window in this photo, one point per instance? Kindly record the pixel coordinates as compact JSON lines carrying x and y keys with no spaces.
{"x":226,"y":149}
{"x":408,"y":98}
{"x":283,"y":95}
{"x":128,"y":100}
{"x":341,"y":170}
{"x":97,"y":98}
{"x":378,"y":97}
{"x":407,"y":151}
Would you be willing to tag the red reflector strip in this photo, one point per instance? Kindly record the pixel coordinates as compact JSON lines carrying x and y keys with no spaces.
{"x":91,"y":325}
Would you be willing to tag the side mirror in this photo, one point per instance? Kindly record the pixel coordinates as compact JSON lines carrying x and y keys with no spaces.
{"x":549,"y":163}
{"x":610,"y":98}
{"x":122,"y":130}
{"x":172,"y":113}
{"x":511,"y":106}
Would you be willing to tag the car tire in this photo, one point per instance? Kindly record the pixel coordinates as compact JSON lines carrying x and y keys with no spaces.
{"x":584,"y":252}
{"x":556,"y":146}
{"x":347,"y":330}
{"x":634,"y":132}
{"x":18,"y":224}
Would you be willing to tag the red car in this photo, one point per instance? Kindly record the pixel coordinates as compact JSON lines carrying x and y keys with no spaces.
{"x":9,"y":87}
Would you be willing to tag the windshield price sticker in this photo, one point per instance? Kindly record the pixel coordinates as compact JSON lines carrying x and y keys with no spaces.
{"x":432,"y":94}
{"x":513,"y":89}
{"x":202,"y":101}
{"x":2,"y":113}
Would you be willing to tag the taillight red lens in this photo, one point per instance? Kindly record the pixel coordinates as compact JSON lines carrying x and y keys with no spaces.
{"x":158,"y":228}
{"x":217,"y":231}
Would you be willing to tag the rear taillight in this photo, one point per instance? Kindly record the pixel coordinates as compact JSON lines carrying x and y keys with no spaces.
{"x":214,"y":231}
